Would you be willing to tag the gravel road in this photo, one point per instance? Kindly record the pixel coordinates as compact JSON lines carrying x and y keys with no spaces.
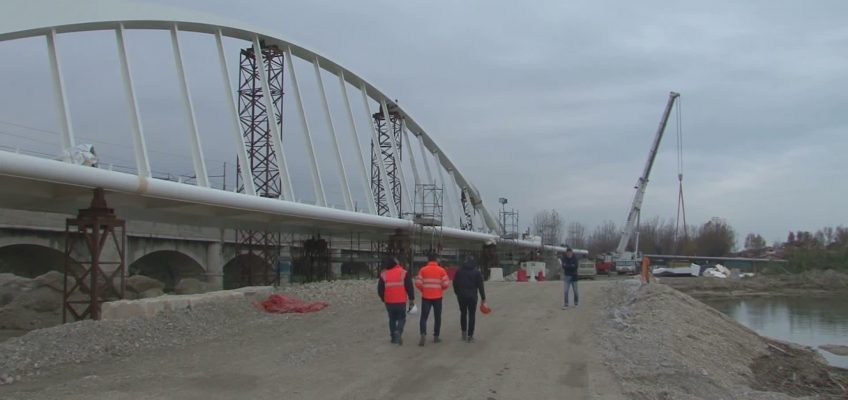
{"x":527,"y":348}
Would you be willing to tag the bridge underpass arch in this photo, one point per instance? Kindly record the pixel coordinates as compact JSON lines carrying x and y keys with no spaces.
{"x":168,"y":267}
{"x":246,"y":270}
{"x":31,"y":260}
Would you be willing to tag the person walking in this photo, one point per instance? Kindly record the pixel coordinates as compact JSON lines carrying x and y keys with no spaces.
{"x":432,"y":280}
{"x":466,"y":283}
{"x":569,"y":276}
{"x":395,"y":289}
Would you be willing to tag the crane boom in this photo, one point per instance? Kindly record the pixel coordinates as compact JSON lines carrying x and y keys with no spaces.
{"x":642,"y":183}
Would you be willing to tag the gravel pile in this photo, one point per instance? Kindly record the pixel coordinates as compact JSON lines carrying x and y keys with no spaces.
{"x":337,"y":293}
{"x":663,"y":344}
{"x":87,"y":341}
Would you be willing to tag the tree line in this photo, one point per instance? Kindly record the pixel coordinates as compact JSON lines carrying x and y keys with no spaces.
{"x":826,"y":248}
{"x":712,"y":238}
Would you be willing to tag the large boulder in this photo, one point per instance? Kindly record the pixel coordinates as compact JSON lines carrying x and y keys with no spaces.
{"x":140,"y":284}
{"x":191,"y":286}
{"x":155,"y":292}
{"x":13,"y":317}
{"x":40,"y":299}
{"x":54,"y":280}
{"x":14,"y":281}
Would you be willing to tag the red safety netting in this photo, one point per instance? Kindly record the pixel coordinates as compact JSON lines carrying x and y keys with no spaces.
{"x":281,"y":304}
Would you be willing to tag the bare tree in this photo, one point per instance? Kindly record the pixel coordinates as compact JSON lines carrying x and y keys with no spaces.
{"x":576,"y":235}
{"x":604,"y":238}
{"x":715,"y":238}
{"x":548,"y":225}
{"x":754,"y":242}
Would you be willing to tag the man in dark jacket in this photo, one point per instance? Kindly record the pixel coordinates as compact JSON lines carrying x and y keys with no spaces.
{"x":466,"y":283}
{"x":569,"y":276}
{"x":395,"y":289}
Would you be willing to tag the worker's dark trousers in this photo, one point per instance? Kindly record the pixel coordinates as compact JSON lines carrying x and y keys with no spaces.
{"x":397,"y":318}
{"x":437,"y":314}
{"x":467,"y":313}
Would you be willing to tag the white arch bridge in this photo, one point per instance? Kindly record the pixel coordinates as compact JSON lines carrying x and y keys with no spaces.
{"x":154,"y":90}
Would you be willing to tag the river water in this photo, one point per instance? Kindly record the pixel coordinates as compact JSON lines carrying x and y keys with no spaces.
{"x":808,"y":321}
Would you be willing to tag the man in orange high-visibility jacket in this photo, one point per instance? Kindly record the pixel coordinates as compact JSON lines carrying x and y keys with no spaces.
{"x":395,"y":289}
{"x":432,"y":280}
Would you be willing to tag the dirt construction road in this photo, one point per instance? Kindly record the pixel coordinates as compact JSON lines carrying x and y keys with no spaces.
{"x":527,"y":348}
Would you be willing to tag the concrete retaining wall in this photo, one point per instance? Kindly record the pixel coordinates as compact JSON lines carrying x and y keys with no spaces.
{"x":147,"y":308}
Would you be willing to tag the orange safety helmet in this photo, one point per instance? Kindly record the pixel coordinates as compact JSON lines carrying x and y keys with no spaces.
{"x":484,"y":308}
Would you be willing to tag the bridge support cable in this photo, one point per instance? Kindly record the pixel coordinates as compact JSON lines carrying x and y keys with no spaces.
{"x":379,"y":169}
{"x":272,"y":99}
{"x":348,"y":198}
{"x":424,"y":161}
{"x":318,"y":184}
{"x":457,"y":199}
{"x":416,"y":177}
{"x":386,"y":150}
{"x":366,"y":187}
{"x":94,"y":235}
{"x":59,"y":88}
{"x":468,"y":212}
{"x":466,"y":221}
{"x":451,"y":216}
{"x":141,"y":160}
{"x":261,"y":116}
{"x":245,"y":168}
{"x":194,"y":137}
{"x":402,"y":185}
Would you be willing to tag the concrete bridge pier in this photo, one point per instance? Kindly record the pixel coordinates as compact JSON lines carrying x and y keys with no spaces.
{"x":215,"y":265}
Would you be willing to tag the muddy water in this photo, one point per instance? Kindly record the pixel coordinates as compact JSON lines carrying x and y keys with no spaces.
{"x":808,"y":321}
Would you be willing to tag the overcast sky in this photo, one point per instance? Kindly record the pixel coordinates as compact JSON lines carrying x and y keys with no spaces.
{"x":553,"y":104}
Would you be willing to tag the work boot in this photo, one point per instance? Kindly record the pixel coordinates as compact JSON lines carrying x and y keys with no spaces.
{"x":436,"y":339}
{"x":464,"y":336}
{"x":422,"y":341}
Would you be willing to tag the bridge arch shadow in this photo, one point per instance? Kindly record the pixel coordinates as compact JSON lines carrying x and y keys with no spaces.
{"x":168,"y":267}
{"x":31,"y":260}
{"x":246,"y":270}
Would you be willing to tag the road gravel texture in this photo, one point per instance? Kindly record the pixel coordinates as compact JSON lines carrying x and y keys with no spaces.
{"x":624,"y":341}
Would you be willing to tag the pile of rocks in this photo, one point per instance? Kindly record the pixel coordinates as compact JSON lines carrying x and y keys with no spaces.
{"x":143,"y":287}
{"x":27,"y":304}
{"x":661,"y":343}
{"x":87,"y":341}
{"x":337,"y":293}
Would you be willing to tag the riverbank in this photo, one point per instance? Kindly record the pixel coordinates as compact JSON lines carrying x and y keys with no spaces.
{"x":664,"y":344}
{"x":812,"y":283}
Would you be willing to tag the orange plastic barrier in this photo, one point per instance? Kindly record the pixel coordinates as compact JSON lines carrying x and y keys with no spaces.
{"x":521,"y":276}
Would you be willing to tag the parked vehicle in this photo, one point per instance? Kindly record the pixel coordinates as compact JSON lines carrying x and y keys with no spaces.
{"x":586,"y":269}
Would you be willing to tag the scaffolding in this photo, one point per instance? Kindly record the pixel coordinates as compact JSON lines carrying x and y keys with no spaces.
{"x":255,"y":121}
{"x":429,"y":213}
{"x":389,"y":134}
{"x":509,"y":223}
{"x":429,"y":207}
